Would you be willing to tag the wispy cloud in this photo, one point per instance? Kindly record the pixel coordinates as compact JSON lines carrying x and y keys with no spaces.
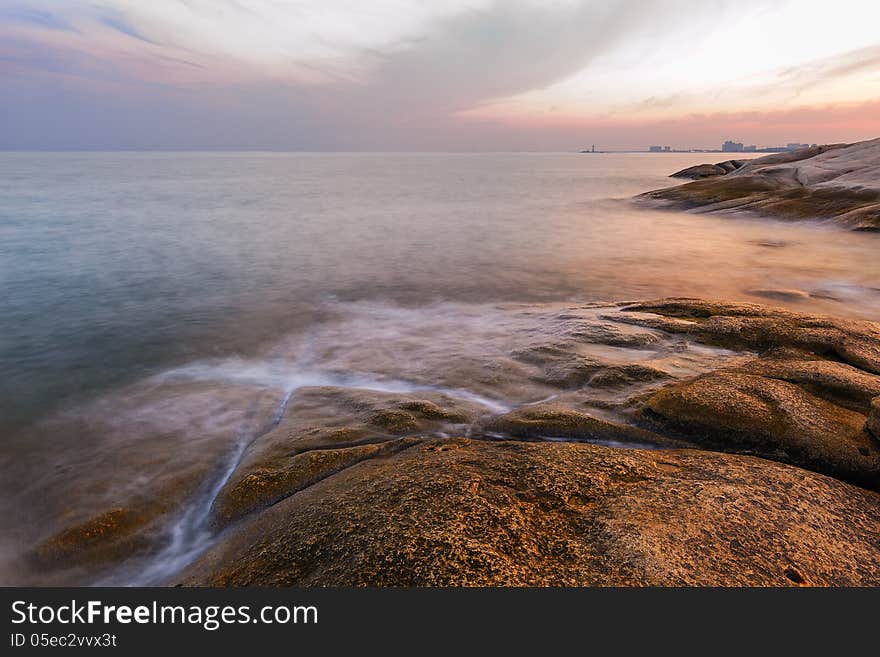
{"x":396,"y":73}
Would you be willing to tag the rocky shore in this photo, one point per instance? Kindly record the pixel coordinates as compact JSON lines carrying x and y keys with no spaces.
{"x":839,"y":182}
{"x":680,"y":442}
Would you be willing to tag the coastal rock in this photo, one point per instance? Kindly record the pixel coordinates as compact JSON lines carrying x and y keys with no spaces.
{"x":837,"y":181}
{"x":752,"y":326}
{"x":470,"y":513}
{"x":699,"y":171}
{"x":612,"y":334}
{"x":327,"y":429}
{"x":560,"y":366}
{"x":796,"y":402}
{"x":708,"y":170}
{"x":109,"y":535}
{"x":837,"y":382}
{"x":774,"y":419}
{"x":623,"y":375}
{"x":873,"y":422}
{"x":265,"y":485}
{"x":550,"y":421}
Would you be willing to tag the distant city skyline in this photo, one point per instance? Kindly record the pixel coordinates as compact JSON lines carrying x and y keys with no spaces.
{"x":446,"y":75}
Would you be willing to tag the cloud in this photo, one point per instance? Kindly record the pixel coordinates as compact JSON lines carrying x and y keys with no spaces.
{"x":336,"y":74}
{"x":32,"y":16}
{"x":816,"y":73}
{"x":770,"y":88}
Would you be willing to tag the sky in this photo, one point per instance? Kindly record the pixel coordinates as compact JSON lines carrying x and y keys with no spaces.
{"x":444,"y":75}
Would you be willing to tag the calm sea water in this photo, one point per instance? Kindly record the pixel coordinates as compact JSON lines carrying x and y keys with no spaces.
{"x":116,"y":265}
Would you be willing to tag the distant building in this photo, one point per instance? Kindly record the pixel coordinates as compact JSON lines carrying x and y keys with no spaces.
{"x":794,"y":146}
{"x":660,"y":149}
{"x":732,"y":147}
{"x":750,"y":149}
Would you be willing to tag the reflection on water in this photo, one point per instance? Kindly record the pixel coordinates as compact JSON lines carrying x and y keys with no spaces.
{"x":159,"y":309}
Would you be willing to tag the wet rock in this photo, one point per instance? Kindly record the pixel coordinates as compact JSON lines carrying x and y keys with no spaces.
{"x":751,"y":326}
{"x":590,"y":351}
{"x":109,"y":535}
{"x":394,"y":421}
{"x":554,"y":421}
{"x":560,"y":365}
{"x":325,"y":430}
{"x":611,"y":334}
{"x":459,"y":512}
{"x":789,"y":387}
{"x":837,"y":181}
{"x":573,"y":371}
{"x":428,"y":410}
{"x":775,"y":419}
{"x":263,"y":486}
{"x":623,"y":375}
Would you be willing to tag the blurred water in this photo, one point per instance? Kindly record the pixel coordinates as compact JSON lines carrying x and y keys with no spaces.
{"x":114,"y":265}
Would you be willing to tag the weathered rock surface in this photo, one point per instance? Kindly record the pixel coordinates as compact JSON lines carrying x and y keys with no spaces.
{"x":838,"y":181}
{"x":326,"y":430}
{"x":873,"y":423}
{"x":700,"y":171}
{"x":752,"y":326}
{"x":112,"y":534}
{"x":549,"y":421}
{"x":795,"y":403}
{"x":459,"y":512}
{"x":774,"y":419}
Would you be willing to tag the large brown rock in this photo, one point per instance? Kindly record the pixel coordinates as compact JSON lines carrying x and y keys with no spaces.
{"x":795,"y":402}
{"x":460,"y":512}
{"x":260,"y":486}
{"x":327,"y":429}
{"x":775,"y":419}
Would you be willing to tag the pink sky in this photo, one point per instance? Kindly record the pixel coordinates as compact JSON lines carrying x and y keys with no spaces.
{"x":445,"y":75}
